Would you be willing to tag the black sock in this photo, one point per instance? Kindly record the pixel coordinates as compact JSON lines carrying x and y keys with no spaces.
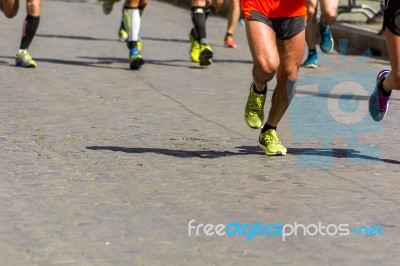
{"x":199,"y":22}
{"x":207,"y":11}
{"x":260,"y":92}
{"x":194,"y":33}
{"x":122,"y":25}
{"x":311,"y":52}
{"x":266,"y":127}
{"x":132,"y":44}
{"x":141,"y":9}
{"x":382,"y":90}
{"x":30,"y":26}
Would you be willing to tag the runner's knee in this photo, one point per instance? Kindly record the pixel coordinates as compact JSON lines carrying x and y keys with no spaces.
{"x":329,"y":17}
{"x":266,"y":69}
{"x":33,"y":8}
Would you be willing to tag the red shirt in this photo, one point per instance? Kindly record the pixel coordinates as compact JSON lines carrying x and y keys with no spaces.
{"x":275,"y":8}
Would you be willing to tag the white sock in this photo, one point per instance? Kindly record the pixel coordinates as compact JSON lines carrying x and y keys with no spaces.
{"x":132,"y":23}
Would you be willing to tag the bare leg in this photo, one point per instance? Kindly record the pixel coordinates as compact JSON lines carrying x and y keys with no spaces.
{"x":291,"y":52}
{"x":10,"y":7}
{"x":312,"y":6}
{"x":392,"y":81}
{"x":261,"y":39}
{"x":233,"y":16}
{"x":329,"y":11}
{"x":33,"y":7}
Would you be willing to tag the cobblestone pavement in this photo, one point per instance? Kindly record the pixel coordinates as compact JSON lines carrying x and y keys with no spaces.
{"x":101,"y":165}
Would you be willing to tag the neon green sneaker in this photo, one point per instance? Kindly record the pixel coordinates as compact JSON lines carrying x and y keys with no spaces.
{"x":194,"y":49}
{"x":122,"y":35}
{"x":139,"y":45}
{"x":254,"y":111}
{"x":23,"y":59}
{"x":206,"y":55}
{"x":135,"y":59}
{"x":270,"y":142}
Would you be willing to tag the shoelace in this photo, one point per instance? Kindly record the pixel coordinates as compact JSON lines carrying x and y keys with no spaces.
{"x":256,"y":102}
{"x":271,"y":138}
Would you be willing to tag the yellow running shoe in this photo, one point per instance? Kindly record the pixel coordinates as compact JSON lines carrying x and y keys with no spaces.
{"x":139,"y":45}
{"x":270,"y":142}
{"x":122,"y":35}
{"x":135,"y":59}
{"x":254,"y":111}
{"x":194,"y":49}
{"x":23,"y":59}
{"x":206,"y":55}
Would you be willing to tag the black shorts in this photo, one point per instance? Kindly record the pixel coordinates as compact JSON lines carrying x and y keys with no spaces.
{"x":284,"y":28}
{"x":391,"y":19}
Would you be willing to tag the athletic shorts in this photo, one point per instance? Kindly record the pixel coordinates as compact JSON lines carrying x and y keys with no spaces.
{"x":275,"y":8}
{"x":392,"y":16}
{"x":284,"y":28}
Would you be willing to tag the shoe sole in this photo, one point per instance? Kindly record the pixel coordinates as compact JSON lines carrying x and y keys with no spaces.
{"x":310,"y":66}
{"x":122,"y":39}
{"x":278,"y":153}
{"x":136,"y":64}
{"x":205,"y":57}
{"x":330,"y":50}
{"x":33,"y":65}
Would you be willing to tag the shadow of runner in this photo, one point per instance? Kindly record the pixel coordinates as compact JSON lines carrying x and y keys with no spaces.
{"x":245,"y":150}
{"x":205,"y":154}
{"x":339,"y":153}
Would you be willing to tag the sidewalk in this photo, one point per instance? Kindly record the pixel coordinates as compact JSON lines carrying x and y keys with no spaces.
{"x":360,"y":29}
{"x":101,"y":165}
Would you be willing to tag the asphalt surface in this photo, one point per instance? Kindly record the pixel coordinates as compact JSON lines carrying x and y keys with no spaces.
{"x":103,"y":165}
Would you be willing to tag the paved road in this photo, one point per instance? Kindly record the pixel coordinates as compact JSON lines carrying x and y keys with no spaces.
{"x":101,"y":165}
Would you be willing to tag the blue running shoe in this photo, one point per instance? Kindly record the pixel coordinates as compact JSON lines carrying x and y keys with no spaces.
{"x":326,"y":44}
{"x":135,"y":59}
{"x":379,"y":103}
{"x":312,"y":59}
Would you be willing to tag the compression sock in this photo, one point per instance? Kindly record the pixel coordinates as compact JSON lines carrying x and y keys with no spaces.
{"x":266,"y":127}
{"x":199,"y":23}
{"x":132,"y":25}
{"x":30,"y":26}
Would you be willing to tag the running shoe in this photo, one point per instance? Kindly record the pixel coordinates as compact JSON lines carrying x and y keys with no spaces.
{"x":270,"y":142}
{"x":123,"y":38}
{"x":23,"y":59}
{"x":135,"y":59}
{"x":379,"y":103}
{"x":194,"y":49}
{"x":122,"y":35}
{"x":311,"y":61}
{"x":254,"y":111}
{"x":206,"y":55}
{"x":326,"y":43}
{"x":139,"y":45}
{"x":229,"y":42}
{"x":108,"y":6}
